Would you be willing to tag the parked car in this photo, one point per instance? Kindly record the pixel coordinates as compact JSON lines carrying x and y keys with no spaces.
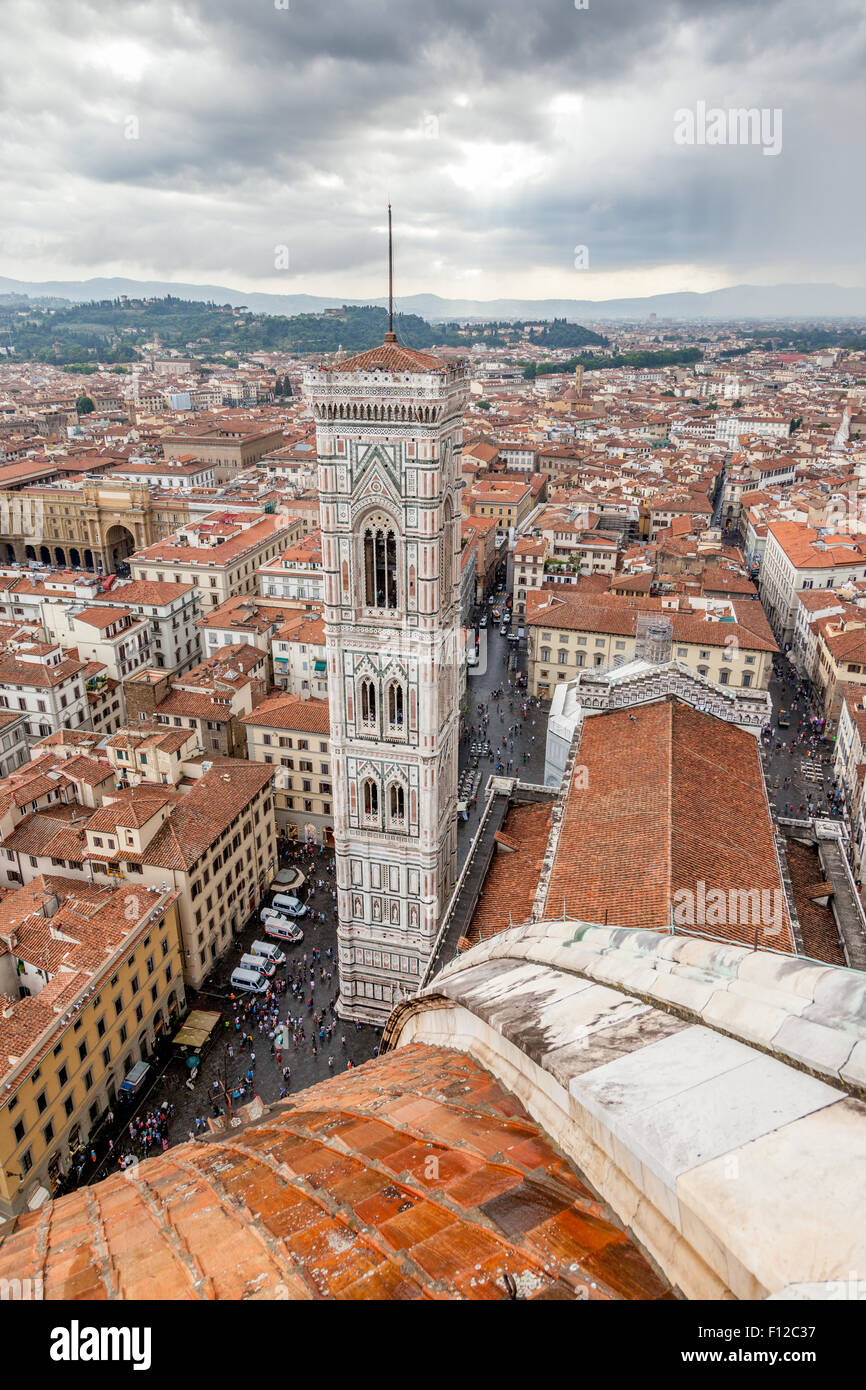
{"x":134,"y":1080}
{"x":288,"y":906}
{"x":250,"y":981}
{"x":281,"y":929}
{"x":252,"y":962}
{"x":268,"y":951}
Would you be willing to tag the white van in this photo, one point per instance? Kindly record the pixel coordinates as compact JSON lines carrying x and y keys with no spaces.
{"x":281,"y":928}
{"x":289,"y":906}
{"x":268,"y":951}
{"x":251,"y":962}
{"x":251,"y":981}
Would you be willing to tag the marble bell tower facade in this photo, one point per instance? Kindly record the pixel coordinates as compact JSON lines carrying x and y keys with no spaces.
{"x":389,"y":426}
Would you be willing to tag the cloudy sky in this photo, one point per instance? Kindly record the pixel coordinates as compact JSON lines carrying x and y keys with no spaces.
{"x":194,"y":141}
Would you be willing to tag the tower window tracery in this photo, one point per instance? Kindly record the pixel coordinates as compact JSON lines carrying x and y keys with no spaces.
{"x":380,"y":563}
{"x":368,"y":702}
{"x":395,"y":707}
{"x":396,"y":805}
{"x":370,"y":799}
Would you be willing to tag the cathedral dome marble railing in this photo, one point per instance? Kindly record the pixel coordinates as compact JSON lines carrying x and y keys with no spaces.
{"x":712,"y":1094}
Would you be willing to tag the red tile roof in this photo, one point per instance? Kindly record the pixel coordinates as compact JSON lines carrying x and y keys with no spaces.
{"x":390,"y":357}
{"x":291,"y":712}
{"x":511,"y":882}
{"x":663,"y":797}
{"x":414,"y":1176}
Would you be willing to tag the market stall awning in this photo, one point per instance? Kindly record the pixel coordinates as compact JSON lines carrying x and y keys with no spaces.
{"x":197,"y":1029}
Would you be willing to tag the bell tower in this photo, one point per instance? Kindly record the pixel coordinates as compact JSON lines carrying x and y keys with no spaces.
{"x":389,"y":435}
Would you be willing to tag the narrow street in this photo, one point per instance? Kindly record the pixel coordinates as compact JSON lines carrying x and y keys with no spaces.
{"x":530,"y":738}
{"x":802,"y":775}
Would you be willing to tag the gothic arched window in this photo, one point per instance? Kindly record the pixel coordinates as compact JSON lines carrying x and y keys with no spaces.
{"x":396,"y":804}
{"x":380,"y":563}
{"x":370,"y":799}
{"x":446,"y":559}
{"x":395,"y":706}
{"x":368,"y":702}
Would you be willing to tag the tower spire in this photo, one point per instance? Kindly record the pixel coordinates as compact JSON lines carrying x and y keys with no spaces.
{"x":390,"y":336}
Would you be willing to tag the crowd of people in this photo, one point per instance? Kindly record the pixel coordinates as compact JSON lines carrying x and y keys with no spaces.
{"x":501,"y":757}
{"x":805,"y":735}
{"x":147,"y":1134}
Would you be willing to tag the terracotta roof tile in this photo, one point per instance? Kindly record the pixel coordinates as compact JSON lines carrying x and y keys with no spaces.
{"x":663,"y":798}
{"x":333,"y":1195}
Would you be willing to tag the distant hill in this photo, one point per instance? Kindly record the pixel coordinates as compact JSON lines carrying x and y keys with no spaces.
{"x":113,"y":330}
{"x":737,"y":302}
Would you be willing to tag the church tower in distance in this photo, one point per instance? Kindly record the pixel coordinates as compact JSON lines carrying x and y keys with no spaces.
{"x":389,"y":425}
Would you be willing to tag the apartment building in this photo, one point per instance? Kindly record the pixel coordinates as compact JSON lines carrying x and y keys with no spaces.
{"x":483,"y":530}
{"x":184,"y":472}
{"x":90,"y":978}
{"x":251,"y":621}
{"x":726,"y":642}
{"x":212,"y":842}
{"x":229,"y":444}
{"x":849,"y":763}
{"x":173,"y":609}
{"x":292,"y":735}
{"x":150,"y":753}
{"x":296,"y":576}
{"x":507,"y":503}
{"x":114,"y":637}
{"x":221,"y":555}
{"x":582,"y":551}
{"x":210,"y":699}
{"x":799,"y":557}
{"x":105,"y":699}
{"x":299,"y":656}
{"x":39,"y":679}
{"x":841,"y":657}
{"x":812,"y":606}
{"x":14,"y":740}
{"x":662,"y":511}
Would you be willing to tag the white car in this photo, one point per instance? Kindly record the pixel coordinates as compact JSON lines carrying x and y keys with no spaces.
{"x":269,"y":951}
{"x":289,"y":906}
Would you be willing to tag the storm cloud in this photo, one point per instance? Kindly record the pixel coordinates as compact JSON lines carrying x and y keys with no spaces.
{"x":191,"y":141}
